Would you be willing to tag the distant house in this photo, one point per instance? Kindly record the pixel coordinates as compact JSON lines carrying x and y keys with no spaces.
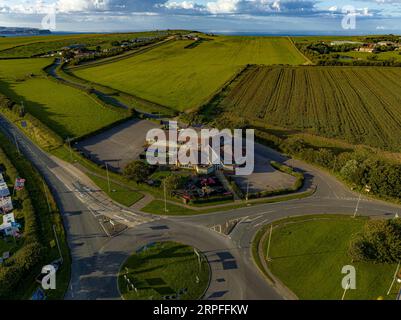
{"x":9,"y":227}
{"x":367,"y":47}
{"x":385,"y":43}
{"x":4,"y":192}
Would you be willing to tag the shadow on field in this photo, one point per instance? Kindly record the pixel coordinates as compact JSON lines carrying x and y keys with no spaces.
{"x":39,"y":111}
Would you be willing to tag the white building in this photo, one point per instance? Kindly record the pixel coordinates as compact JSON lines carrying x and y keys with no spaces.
{"x":8,"y":227}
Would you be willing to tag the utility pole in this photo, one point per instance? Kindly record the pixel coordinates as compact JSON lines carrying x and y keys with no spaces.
{"x":357,"y":205}
{"x":268,"y":244}
{"x":108,"y":177}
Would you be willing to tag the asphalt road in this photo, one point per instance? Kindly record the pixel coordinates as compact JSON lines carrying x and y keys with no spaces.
{"x":96,"y":258}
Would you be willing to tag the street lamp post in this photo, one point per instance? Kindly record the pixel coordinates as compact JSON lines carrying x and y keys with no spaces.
{"x":394,"y":278}
{"x":16,"y":143}
{"x":247,"y":191}
{"x":268,"y":244}
{"x":357,"y":205}
{"x":108,"y":177}
{"x":165,"y":196}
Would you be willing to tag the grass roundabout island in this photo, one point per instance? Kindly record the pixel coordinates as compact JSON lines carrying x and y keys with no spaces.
{"x":164,"y":271}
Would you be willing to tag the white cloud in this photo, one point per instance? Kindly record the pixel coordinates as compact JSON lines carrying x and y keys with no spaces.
{"x":82,"y":5}
{"x":222,"y":6}
{"x":37,"y":7}
{"x":180,"y":5}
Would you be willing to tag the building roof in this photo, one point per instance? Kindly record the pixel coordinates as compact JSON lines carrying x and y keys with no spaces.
{"x":4,"y":192}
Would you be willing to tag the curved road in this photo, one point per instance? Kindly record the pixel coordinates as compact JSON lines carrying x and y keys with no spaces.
{"x":96,"y":258}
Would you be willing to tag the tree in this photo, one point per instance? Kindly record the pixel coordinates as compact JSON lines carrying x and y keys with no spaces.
{"x":350,"y":171}
{"x":325,"y":158}
{"x":380,"y":241}
{"x":172,"y":183}
{"x":137,"y":171}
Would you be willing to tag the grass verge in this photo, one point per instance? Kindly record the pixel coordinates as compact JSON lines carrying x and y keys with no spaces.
{"x":308,"y":254}
{"x":118,"y":193}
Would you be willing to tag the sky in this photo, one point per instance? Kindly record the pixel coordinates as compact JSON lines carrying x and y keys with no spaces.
{"x":231,"y":16}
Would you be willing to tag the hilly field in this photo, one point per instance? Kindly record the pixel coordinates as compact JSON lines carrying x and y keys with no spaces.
{"x":183,"y":75}
{"x":361,"y":105}
{"x":26,"y":47}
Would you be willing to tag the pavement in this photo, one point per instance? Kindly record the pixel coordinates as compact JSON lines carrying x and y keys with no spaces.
{"x":96,"y":257}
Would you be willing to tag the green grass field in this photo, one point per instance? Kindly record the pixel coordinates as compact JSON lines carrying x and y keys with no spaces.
{"x":308,"y":256}
{"x":163,"y":269}
{"x":11,"y":42}
{"x":380,"y":56}
{"x":67,"y":111}
{"x":358,"y":104}
{"x":118,"y":193}
{"x":183,"y":78}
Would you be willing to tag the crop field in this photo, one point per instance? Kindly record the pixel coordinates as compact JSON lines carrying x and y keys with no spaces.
{"x":185,"y":78}
{"x":67,"y":111}
{"x":357,"y":104}
{"x":27,"y":47}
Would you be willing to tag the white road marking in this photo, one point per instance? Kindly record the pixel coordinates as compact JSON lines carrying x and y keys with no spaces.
{"x":261,"y":223}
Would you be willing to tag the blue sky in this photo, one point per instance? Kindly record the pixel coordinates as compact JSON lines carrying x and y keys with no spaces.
{"x":264,"y":16}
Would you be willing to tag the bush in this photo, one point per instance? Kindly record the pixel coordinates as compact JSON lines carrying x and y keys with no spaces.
{"x":137,"y":171}
{"x":19,"y":267}
{"x":172,"y":183}
{"x":380,"y":242}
